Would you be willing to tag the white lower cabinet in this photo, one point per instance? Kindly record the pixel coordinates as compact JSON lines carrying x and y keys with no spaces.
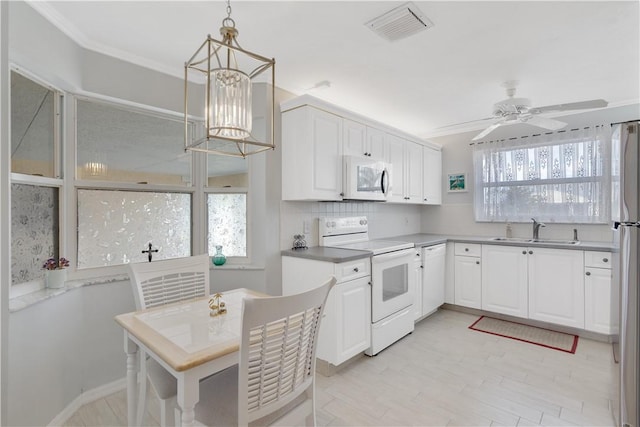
{"x":600,"y":295}
{"x":556,"y":286}
{"x":433,"y":277}
{"x":468,"y":275}
{"x":345,"y":330}
{"x":505,"y":279}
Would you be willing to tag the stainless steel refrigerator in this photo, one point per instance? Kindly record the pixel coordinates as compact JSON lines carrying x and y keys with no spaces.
{"x":627,"y":222}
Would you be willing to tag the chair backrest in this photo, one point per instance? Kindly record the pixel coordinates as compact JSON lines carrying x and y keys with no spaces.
{"x":172,"y":280}
{"x":278,"y":350}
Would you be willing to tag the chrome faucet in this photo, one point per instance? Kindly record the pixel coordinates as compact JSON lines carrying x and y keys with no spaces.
{"x":536,"y":228}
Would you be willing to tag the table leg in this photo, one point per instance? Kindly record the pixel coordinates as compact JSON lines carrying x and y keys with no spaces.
{"x":188,"y":396}
{"x":132,"y":379}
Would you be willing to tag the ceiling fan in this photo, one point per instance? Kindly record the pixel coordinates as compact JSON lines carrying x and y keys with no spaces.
{"x":519,"y":110}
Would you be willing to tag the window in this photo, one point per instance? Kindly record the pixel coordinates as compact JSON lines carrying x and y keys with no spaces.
{"x":34,"y":231}
{"x":126,"y":145}
{"x":36,"y":112}
{"x":562,"y":177}
{"x":35,"y":127}
{"x":115,"y":226}
{"x":227,"y":182}
{"x":134,"y":185}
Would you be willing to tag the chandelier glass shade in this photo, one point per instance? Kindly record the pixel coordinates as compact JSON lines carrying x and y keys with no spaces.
{"x":227,"y":73}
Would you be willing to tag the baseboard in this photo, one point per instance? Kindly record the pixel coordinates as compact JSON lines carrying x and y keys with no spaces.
{"x":88,"y":397}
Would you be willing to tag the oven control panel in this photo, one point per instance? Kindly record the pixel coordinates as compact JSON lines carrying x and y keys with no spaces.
{"x":333,"y":226}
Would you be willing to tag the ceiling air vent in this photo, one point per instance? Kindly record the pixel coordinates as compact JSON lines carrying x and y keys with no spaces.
{"x":401,"y":22}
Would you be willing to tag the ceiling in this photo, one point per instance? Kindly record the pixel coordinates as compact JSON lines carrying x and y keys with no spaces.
{"x":559,"y":52}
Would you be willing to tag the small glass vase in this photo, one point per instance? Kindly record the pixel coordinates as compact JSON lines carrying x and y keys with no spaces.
{"x":219,"y":258}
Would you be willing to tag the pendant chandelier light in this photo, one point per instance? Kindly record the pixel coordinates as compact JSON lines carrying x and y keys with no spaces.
{"x":218,"y":66}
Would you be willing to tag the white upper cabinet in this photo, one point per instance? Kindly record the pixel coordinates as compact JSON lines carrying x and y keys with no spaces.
{"x":432,"y":176}
{"x":413,"y":173}
{"x":316,"y":136}
{"x":376,"y":144}
{"x":355,"y":138}
{"x":311,"y":155}
{"x":363,"y":140}
{"x":395,"y":148}
{"x":406,"y":170}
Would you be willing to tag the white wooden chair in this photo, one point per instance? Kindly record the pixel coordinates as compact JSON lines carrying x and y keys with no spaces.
{"x":159,"y":283}
{"x":274,"y":381}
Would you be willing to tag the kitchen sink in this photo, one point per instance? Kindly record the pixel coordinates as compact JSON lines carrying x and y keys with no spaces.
{"x":556,"y":242}
{"x":534,"y":241}
{"x":511,"y":239}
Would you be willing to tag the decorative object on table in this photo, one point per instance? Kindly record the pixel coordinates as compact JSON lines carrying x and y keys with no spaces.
{"x":299,"y":242}
{"x":218,"y":257}
{"x":216,"y":67}
{"x":216,"y":305}
{"x":457,"y":182}
{"x":55,"y":274}
{"x":150,"y":251}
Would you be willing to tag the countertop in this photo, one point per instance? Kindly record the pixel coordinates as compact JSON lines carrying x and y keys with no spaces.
{"x":339,"y":255}
{"x":321,"y":253}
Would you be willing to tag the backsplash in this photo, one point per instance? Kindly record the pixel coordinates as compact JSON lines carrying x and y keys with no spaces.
{"x":385,"y":219}
{"x":458,"y":220}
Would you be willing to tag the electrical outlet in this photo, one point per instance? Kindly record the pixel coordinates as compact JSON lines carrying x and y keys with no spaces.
{"x":306,"y":226}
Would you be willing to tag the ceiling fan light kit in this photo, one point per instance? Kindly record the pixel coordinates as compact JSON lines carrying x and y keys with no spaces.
{"x":228,"y":116}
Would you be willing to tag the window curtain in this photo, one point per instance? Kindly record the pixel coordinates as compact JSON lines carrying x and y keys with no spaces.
{"x":561,"y":177}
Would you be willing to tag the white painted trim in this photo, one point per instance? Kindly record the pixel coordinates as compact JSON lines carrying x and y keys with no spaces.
{"x":88,"y":397}
{"x":64,"y":25}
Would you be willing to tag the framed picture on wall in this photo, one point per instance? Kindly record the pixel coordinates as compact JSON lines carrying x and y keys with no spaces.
{"x":457,"y":182}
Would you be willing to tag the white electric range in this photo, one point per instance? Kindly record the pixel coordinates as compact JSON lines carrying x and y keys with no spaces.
{"x":392,"y":284}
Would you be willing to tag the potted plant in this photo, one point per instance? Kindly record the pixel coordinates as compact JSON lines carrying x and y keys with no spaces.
{"x":55,"y":274}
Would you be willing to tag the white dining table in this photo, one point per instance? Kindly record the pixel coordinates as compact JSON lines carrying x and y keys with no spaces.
{"x":186,"y":341}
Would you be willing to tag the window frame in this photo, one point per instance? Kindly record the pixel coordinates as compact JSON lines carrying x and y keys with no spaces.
{"x":482,"y":155}
{"x":58,"y":181}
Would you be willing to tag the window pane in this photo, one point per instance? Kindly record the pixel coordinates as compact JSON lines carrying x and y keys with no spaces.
{"x":32,"y":127}
{"x":116,"y":144}
{"x":563,"y":178}
{"x":115,"y":226}
{"x":34,"y":230}
{"x":228,"y":223}
{"x":227,"y":171}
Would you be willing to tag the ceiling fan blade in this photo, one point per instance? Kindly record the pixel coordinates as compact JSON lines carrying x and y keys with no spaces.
{"x":583,"y":105}
{"x":487,"y":131}
{"x":464,"y":123}
{"x":545,"y":123}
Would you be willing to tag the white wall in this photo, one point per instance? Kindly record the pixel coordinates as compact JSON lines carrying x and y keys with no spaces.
{"x":455,"y":216}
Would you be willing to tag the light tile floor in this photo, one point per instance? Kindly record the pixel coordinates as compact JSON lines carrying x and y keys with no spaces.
{"x":445,"y":374}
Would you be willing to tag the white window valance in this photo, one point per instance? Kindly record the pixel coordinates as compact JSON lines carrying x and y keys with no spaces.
{"x":559,"y":177}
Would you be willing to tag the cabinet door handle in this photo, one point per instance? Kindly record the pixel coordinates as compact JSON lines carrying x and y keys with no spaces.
{"x":356,"y":269}
{"x":466,"y":249}
{"x":530,"y":252}
{"x":524,"y":252}
{"x":422,"y":266}
{"x":605,"y":259}
{"x":425,"y":199}
{"x":588,"y":273}
{"x":477,"y":262}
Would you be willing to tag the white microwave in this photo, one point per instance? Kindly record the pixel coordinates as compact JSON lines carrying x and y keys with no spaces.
{"x":365,"y":179}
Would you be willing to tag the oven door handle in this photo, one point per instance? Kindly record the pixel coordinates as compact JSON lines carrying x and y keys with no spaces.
{"x":408,"y":253}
